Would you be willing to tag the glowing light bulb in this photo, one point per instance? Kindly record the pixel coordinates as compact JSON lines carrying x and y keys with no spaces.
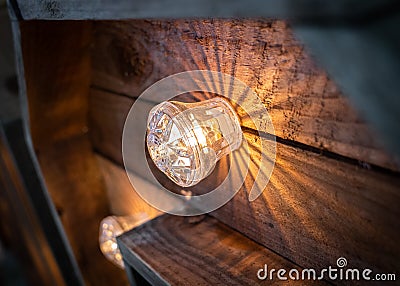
{"x":185,"y":140}
{"x":113,"y":226}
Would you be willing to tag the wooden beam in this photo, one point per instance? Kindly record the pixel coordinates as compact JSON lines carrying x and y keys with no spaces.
{"x":315,"y":210}
{"x":304,"y":104}
{"x":173,"y":250}
{"x":307,"y":10}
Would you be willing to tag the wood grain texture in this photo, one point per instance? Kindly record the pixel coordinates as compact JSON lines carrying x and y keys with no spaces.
{"x":314,"y":209}
{"x":366,"y":64}
{"x":304,"y":104}
{"x":122,"y":197}
{"x":57,"y":78}
{"x":309,"y":10}
{"x":106,"y":109}
{"x":173,"y":250}
{"x":76,"y":186}
{"x":19,"y":221}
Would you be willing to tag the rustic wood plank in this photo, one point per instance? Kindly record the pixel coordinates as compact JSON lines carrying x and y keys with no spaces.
{"x":134,"y":277}
{"x":122,"y":196}
{"x":76,"y":186}
{"x":314,"y":210}
{"x":102,"y":110}
{"x":304,"y":104}
{"x":173,"y":250}
{"x":54,"y":95}
{"x":43,"y":257}
{"x":309,"y":10}
{"x":57,"y":77}
{"x":366,"y":64}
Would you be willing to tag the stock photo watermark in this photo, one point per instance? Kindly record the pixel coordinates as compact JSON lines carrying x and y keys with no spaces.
{"x":340,"y":272}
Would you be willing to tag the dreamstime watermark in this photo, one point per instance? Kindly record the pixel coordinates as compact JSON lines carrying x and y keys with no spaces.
{"x":331,"y":273}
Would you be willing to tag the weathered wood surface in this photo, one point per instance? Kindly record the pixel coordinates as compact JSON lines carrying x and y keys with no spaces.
{"x":20,"y":220}
{"x":124,"y":200}
{"x":122,"y":197}
{"x":304,"y":104}
{"x":366,"y":63}
{"x":76,"y":186}
{"x":8,"y":89}
{"x":57,"y":77}
{"x":173,"y":250}
{"x":309,"y":10}
{"x":318,"y":209}
{"x":314,"y":209}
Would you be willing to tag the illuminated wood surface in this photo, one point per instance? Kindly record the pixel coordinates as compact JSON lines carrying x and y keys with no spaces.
{"x":123,"y":198}
{"x":304,"y":104}
{"x":173,"y":250}
{"x":314,"y":210}
{"x":57,"y":76}
{"x":20,"y":219}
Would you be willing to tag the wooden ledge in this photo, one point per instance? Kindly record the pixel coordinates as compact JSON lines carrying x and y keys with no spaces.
{"x":172,"y":250}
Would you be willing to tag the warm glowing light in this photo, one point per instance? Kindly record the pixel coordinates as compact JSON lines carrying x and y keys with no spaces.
{"x":113,"y":226}
{"x":185,"y":140}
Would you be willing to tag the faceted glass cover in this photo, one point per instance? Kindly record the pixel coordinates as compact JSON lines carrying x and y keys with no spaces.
{"x":109,"y":230}
{"x":185,"y":140}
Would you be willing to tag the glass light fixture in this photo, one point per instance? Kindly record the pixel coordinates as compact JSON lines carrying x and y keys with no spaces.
{"x":113,"y":226}
{"x":185,"y":140}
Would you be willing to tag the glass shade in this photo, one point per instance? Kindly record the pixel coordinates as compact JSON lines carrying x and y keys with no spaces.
{"x":185,"y":140}
{"x":113,"y":226}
